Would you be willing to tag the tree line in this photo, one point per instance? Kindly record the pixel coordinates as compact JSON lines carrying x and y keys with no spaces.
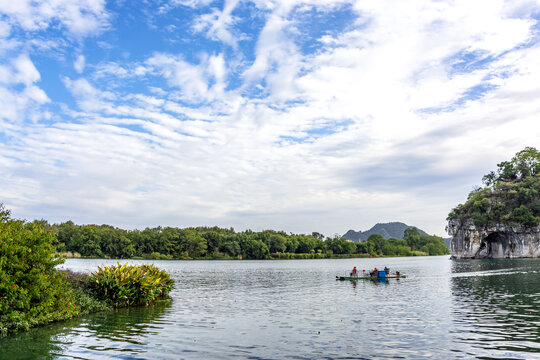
{"x":105,"y":241}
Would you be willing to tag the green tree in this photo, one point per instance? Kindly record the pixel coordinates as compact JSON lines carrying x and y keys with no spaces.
{"x":87,"y":242}
{"x":291,"y":244}
{"x":511,"y":195}
{"x":213,"y":240}
{"x":194,"y":243}
{"x":31,"y":290}
{"x":377,"y":242}
{"x":276,"y":243}
{"x":524,"y":163}
{"x":340,"y":245}
{"x":4,"y":213}
{"x":306,"y":244}
{"x":253,"y":249}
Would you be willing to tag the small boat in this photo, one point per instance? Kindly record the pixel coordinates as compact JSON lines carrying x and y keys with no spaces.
{"x":389,"y":276}
{"x":376,"y":275}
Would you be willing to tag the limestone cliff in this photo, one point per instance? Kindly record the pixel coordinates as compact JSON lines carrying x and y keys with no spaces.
{"x":493,"y":241}
{"x":502,"y":219}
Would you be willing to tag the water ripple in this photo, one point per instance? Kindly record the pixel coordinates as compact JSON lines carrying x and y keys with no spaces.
{"x":296,"y":310}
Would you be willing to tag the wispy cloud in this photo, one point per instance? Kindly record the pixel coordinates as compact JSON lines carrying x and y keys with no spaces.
{"x":80,"y":18}
{"x":79,"y":63}
{"x":218,"y":24}
{"x":258,"y":115}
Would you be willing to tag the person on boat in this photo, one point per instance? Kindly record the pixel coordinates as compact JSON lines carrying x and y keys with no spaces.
{"x":354,"y":271}
{"x":374,"y":272}
{"x":387,"y":270}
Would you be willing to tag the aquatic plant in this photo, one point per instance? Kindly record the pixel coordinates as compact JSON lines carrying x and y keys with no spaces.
{"x":127,"y":285}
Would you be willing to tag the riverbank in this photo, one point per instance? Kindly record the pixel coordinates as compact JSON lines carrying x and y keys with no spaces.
{"x":277,"y":256}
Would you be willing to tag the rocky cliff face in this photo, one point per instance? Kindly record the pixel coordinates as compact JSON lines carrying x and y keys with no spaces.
{"x":496,"y":241}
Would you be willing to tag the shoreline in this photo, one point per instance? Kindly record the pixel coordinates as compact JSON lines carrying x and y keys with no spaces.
{"x":300,"y":257}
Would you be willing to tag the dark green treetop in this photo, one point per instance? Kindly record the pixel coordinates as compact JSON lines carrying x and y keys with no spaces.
{"x":511,"y":194}
{"x":525,"y":163}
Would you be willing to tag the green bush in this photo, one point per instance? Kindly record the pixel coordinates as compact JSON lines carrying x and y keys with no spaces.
{"x":157,"y":256}
{"x":32,"y":292}
{"x":84,"y":298}
{"x":126,"y":285}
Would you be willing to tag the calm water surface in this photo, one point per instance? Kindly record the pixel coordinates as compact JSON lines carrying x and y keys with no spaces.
{"x":296,"y":309}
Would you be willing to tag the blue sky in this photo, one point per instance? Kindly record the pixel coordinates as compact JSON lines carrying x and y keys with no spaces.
{"x":290,"y":115}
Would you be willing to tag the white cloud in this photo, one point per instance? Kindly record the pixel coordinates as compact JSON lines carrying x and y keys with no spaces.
{"x":189,"y":78}
{"x":217,"y":24}
{"x":190,"y":3}
{"x":337,"y":138}
{"x":196,"y":83}
{"x":78,"y":64}
{"x":20,"y":71}
{"x":17,"y":103}
{"x":80,"y":18}
{"x":88,"y":97}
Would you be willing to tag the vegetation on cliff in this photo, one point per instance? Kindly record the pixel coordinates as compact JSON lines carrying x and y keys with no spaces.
{"x":510,"y":195}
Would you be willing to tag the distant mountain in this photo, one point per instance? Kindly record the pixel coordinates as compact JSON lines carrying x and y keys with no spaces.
{"x":387,"y":230}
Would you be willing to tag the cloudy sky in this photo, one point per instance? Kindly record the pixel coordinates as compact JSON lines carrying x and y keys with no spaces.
{"x":292,"y":115}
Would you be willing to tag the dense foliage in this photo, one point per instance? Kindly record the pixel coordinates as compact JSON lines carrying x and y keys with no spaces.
{"x":413,"y":243}
{"x":84,"y":297}
{"x":127,"y":285}
{"x":511,"y":195}
{"x":219,"y":243}
{"x":31,"y":291}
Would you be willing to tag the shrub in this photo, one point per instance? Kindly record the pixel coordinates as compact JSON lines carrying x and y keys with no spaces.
{"x":127,"y":285}
{"x":32,"y":292}
{"x":157,"y":256}
{"x":83,"y":295}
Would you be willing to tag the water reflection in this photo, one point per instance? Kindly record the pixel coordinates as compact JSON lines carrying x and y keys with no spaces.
{"x":496,"y":307}
{"x":121,"y":333}
{"x":296,"y":309}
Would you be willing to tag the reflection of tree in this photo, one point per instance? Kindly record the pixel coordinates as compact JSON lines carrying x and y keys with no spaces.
{"x":35,"y":343}
{"x":496,"y":303}
{"x":127,"y":325}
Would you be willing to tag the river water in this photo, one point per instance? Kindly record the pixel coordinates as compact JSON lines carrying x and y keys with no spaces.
{"x":444,"y":309}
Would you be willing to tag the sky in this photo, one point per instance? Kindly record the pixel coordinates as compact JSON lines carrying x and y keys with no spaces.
{"x":291,"y":115}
